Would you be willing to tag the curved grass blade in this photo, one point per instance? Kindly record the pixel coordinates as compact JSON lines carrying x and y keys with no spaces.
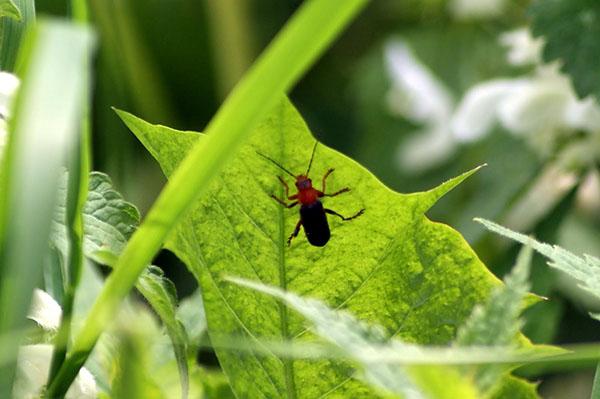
{"x":43,"y":130}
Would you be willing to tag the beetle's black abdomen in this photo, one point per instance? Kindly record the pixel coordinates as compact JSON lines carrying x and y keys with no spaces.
{"x":315,"y":224}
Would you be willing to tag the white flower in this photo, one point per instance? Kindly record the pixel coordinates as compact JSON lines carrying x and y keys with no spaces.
{"x":419,"y":96}
{"x":523,"y":48}
{"x":9,"y":84}
{"x":33,"y":363}
{"x":539,"y":106}
{"x":542,"y":103}
{"x":476,"y":9}
{"x":33,"y":366}
{"x":44,"y":310}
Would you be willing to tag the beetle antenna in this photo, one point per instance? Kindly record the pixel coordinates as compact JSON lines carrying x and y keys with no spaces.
{"x":276,"y":163}
{"x":311,"y":157}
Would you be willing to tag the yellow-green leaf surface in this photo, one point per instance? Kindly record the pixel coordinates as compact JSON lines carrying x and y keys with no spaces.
{"x":391,"y":266}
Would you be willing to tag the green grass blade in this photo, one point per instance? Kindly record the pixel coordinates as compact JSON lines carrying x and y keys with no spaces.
{"x":312,"y":29}
{"x":77,"y":191}
{"x":596,"y":386}
{"x":10,"y":9}
{"x":11,"y":33}
{"x":42,"y":131}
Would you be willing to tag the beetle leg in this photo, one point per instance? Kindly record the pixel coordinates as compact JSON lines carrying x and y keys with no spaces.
{"x":287,"y":189}
{"x":282,"y":202}
{"x":322,"y":192}
{"x":332,"y":212}
{"x":329,"y":171}
{"x":343,"y":190}
{"x":295,"y":233}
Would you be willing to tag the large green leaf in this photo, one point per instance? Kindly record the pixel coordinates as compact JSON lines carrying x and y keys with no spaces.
{"x":392,"y":266}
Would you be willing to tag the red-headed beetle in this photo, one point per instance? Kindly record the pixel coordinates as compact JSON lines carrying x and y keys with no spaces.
{"x":312,"y":213}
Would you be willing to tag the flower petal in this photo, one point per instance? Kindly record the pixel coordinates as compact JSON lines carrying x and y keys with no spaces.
{"x":477,"y":112}
{"x":9,"y":84}
{"x":476,"y":9}
{"x":523,"y":48}
{"x":44,"y":310}
{"x":416,"y":93}
{"x":33,"y":365}
{"x":426,"y":149}
{"x":535,"y":107}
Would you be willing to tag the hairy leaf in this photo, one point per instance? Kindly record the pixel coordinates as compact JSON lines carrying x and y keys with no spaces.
{"x":585,"y":269}
{"x":497,"y":322}
{"x":571,"y":29}
{"x":391,"y":266}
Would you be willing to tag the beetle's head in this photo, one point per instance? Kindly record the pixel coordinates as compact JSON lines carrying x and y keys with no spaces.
{"x":303,"y":182}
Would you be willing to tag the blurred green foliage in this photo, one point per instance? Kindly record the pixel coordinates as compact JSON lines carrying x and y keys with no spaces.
{"x":172,"y":62}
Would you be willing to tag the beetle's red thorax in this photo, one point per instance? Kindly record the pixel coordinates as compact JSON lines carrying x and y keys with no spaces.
{"x":306,"y":193}
{"x":308,"y":196}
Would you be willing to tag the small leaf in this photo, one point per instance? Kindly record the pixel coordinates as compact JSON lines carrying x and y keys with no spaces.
{"x":497,"y":322}
{"x":9,"y":9}
{"x":515,"y":388}
{"x":109,"y":221}
{"x":162,"y":296}
{"x":571,"y":29}
{"x":391,"y":266}
{"x":586,"y":269}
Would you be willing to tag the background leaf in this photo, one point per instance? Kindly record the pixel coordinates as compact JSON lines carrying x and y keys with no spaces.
{"x":571,"y":29}
{"x":392,"y":266}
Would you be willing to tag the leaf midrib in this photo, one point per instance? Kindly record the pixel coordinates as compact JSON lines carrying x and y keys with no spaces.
{"x":288,"y":367}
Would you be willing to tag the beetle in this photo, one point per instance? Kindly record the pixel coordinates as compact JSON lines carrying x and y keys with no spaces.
{"x":313,"y":216}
